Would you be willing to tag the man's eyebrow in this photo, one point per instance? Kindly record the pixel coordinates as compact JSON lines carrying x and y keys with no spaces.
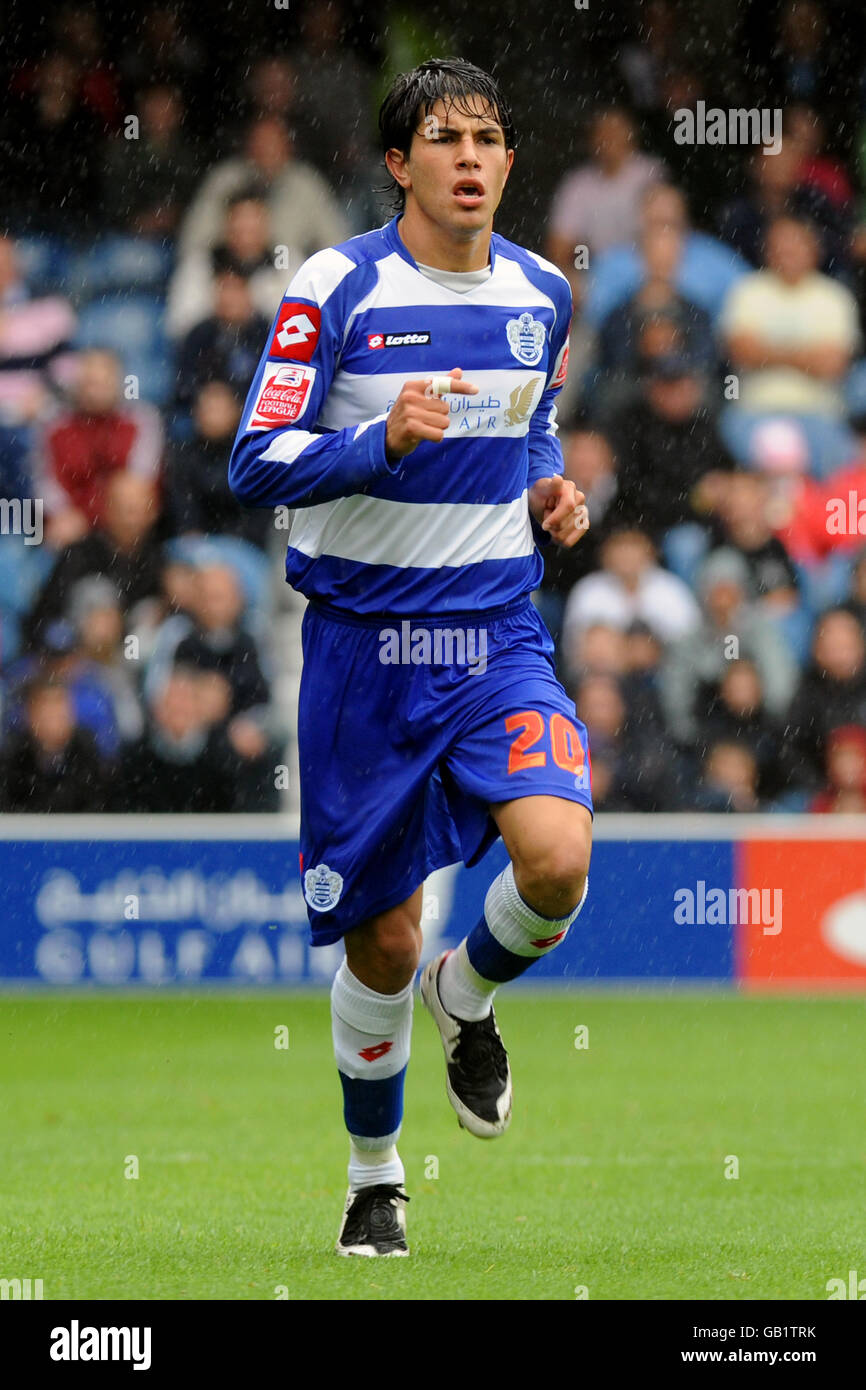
{"x":482,"y":130}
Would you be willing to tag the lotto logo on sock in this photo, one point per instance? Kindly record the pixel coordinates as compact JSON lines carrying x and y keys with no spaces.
{"x":372,"y":1054}
{"x":544,"y":942}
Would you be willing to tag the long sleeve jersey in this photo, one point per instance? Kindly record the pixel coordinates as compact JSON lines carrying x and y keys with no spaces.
{"x":447,"y":528}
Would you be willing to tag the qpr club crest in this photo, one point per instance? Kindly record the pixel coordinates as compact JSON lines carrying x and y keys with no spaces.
{"x":526,"y":337}
{"x":322,"y":888}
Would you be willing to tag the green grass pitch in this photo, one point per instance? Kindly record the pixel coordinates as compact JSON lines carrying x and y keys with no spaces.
{"x":611,"y":1179}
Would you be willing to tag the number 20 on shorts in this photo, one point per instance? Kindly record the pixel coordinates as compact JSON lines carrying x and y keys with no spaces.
{"x":564,"y":742}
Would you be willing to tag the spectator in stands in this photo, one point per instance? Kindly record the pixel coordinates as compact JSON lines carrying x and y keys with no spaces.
{"x":183,"y":762}
{"x":270,"y":90}
{"x":803,"y":511}
{"x":61,"y":658}
{"x":52,"y":139}
{"x":790,"y":331}
{"x":805,"y":128}
{"x":639,"y":772}
{"x":663,"y":443}
{"x":631,"y":586}
{"x":598,"y":204}
{"x":123,"y":549}
{"x":78,"y":33}
{"x":831,"y":694}
{"x":35,"y":358}
{"x":597,"y":650}
{"x":656,"y":320}
{"x":733,"y":626}
{"x":190,"y":759}
{"x":227,"y":345}
{"x":778,"y":192}
{"x":744,"y":513}
{"x":736,"y":714}
{"x":246,"y":251}
{"x":334,"y":93}
{"x":198,"y":497}
{"x":213,"y":638}
{"x":51,"y":763}
{"x":304,"y":213}
{"x":845,"y":787}
{"x":801,"y":62}
{"x":95,"y":611}
{"x":704,"y":273}
{"x":729,"y":780}
{"x":164,"y":48}
{"x":148,"y":178}
{"x":856,"y":600}
{"x":99,"y":435}
{"x":589,"y":463}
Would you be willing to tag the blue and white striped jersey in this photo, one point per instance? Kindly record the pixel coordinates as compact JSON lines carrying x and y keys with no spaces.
{"x":446,"y":529}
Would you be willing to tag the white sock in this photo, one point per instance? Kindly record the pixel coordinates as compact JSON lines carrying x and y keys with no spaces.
{"x":372,"y":1034}
{"x":463,"y":993}
{"x":370,"y":1166}
{"x":510,"y":937}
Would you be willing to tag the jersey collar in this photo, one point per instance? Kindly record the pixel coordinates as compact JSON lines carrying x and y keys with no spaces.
{"x":394,"y":240}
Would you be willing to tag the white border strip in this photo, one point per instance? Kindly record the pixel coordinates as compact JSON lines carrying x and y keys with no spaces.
{"x":607,"y":826}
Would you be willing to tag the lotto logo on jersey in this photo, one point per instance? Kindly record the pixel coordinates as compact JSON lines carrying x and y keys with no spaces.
{"x":282,"y":397}
{"x":297,"y":332}
{"x":392,"y":340}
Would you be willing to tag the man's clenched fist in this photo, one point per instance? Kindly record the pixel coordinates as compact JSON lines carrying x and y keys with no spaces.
{"x":415,"y":415}
{"x":559,"y":508}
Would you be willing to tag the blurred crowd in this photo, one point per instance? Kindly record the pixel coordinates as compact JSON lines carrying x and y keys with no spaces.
{"x":711,"y":627}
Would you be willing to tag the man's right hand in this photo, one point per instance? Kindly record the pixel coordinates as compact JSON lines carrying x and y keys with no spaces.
{"x":415,"y":416}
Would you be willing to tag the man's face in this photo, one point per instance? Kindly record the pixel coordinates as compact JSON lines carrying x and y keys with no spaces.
{"x":791,"y":251}
{"x":457,"y":166}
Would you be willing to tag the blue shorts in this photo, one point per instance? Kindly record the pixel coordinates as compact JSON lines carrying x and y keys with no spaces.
{"x":407,"y":731}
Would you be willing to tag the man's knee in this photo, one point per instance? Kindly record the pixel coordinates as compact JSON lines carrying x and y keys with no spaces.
{"x":384,"y":952}
{"x":551,"y":873}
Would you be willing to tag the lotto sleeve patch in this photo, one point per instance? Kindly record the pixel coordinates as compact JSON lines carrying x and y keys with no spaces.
{"x":296,"y":331}
{"x":282,"y":397}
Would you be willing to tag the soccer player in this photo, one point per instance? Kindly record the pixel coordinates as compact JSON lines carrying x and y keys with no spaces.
{"x":430,"y":719}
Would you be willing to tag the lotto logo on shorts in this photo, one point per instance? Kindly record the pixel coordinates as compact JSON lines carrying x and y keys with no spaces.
{"x":282,"y":396}
{"x":297,"y":331}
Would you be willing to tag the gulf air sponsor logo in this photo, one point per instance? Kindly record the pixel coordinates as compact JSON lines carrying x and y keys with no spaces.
{"x":296,"y":332}
{"x":375,"y":1051}
{"x":282,"y":397}
{"x":395,"y":340}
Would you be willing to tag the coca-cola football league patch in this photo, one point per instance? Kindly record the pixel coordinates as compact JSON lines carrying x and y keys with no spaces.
{"x":283,"y":396}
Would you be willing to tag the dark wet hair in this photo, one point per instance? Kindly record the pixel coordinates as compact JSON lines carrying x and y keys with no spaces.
{"x":414,"y":94}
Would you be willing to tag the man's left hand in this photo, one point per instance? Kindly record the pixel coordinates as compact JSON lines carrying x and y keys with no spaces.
{"x":559,"y":508}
